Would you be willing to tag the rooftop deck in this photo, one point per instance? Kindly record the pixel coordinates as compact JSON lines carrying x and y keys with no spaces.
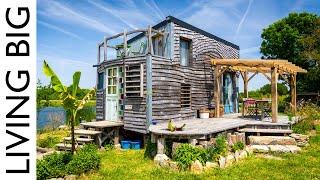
{"x":202,"y":127}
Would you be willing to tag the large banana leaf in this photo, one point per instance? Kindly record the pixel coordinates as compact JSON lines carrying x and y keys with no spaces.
{"x":75,"y":83}
{"x":55,"y":81}
{"x":86,"y":98}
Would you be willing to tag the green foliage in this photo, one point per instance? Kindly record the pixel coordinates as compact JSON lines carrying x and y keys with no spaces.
{"x":296,"y":38}
{"x":53,"y":165}
{"x":84,"y":160}
{"x":151,"y":149}
{"x":237,"y":146}
{"x":281,"y":88}
{"x":185,"y":154}
{"x":307,"y":114}
{"x":48,"y":142}
{"x":220,"y":148}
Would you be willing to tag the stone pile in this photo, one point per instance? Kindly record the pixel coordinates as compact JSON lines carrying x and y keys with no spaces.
{"x":265,"y":144}
{"x":302,"y":140}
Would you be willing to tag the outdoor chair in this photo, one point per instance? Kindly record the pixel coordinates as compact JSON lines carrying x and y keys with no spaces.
{"x":250,"y":108}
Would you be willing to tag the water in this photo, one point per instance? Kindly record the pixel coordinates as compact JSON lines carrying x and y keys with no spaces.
{"x":51,"y":117}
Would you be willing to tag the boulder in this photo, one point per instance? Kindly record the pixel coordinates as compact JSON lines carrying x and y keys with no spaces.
{"x":196,"y":167}
{"x":302,"y":140}
{"x":243,"y":154}
{"x":293,"y":149}
{"x":71,"y":177}
{"x":204,"y":144}
{"x":174,"y":147}
{"x":210,"y":165}
{"x":161,"y":160}
{"x":230,"y":160}
{"x":279,"y":148}
{"x":271,"y":140}
{"x":237,"y":155}
{"x":260,"y":148}
{"x":173,"y":165}
{"x":222,"y":162}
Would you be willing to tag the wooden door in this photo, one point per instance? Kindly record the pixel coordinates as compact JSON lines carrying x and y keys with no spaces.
{"x":112,"y":104}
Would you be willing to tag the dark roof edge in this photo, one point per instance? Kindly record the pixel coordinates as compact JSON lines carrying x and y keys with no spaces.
{"x":187,"y":26}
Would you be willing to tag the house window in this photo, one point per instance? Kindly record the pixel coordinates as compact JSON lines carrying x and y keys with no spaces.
{"x":185,"y":51}
{"x":185,"y":95}
{"x":157,"y":43}
{"x":100,"y":80}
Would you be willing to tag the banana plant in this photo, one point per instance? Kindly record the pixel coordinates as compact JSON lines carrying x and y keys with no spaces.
{"x":70,"y":101}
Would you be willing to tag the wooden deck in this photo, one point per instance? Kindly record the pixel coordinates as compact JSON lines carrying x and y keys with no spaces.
{"x":102,"y":124}
{"x":203,"y":127}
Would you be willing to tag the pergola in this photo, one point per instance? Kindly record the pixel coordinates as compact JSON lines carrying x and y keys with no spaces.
{"x":284,"y":68}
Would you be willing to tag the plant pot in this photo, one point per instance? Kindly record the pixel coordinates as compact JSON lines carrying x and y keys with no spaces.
{"x":204,"y":115}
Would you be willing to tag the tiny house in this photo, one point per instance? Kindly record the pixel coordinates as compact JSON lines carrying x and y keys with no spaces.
{"x":161,"y":73}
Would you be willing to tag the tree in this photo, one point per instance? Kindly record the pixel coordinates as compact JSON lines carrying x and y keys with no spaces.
{"x":289,"y":38}
{"x":68,"y":96}
{"x":282,"y":89}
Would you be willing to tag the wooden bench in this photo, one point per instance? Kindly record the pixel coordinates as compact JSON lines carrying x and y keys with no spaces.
{"x":79,"y":140}
{"x":87,"y":132}
{"x":267,"y":131}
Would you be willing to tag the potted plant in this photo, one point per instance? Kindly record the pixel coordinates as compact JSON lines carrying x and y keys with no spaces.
{"x":204,"y":113}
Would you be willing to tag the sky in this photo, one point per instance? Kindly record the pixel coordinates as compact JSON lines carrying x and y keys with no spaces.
{"x":68,"y":30}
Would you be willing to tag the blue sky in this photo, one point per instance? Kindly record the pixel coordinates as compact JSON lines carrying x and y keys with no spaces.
{"x":68,"y":30}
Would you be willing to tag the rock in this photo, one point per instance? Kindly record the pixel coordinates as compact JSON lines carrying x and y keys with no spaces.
{"x":204,"y":144}
{"x":161,"y":160}
{"x":71,"y":177}
{"x":212,"y":142}
{"x":222,"y":162}
{"x":173,"y":165}
{"x":243,"y":154}
{"x":293,"y":149}
{"x":260,"y":148}
{"x":249,"y":150}
{"x":302,"y":140}
{"x":230,"y":160}
{"x":196,"y":167}
{"x":236,"y":155}
{"x":63,"y":127}
{"x":271,"y":140}
{"x":210,"y":165}
{"x":279,"y":148}
{"x":117,"y":146}
{"x":302,"y":144}
{"x":174,"y":147}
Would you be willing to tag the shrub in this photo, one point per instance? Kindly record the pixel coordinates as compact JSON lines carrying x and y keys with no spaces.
{"x":84,"y":160}
{"x":220,"y":148}
{"x":237,"y":146}
{"x":48,"y":142}
{"x":53,"y":165}
{"x":307,"y":115}
{"x":185,"y":154}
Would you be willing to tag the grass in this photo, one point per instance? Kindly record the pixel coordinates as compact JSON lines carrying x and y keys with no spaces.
{"x":48,"y":138}
{"x":131,"y":164}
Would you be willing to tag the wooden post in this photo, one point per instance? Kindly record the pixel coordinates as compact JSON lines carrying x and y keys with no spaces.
{"x":150,"y":48}
{"x":245,"y":84}
{"x":98,"y":55}
{"x":274,"y":94}
{"x":105,"y":47}
{"x":217,"y":91}
{"x":116,"y":136}
{"x":125,"y":45}
{"x":160,"y":145}
{"x":149,"y":89}
{"x":293,"y":90}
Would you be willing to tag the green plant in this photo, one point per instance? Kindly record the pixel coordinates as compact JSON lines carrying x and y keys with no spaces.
{"x":237,"y":146}
{"x":68,"y":95}
{"x":151,"y":149}
{"x":86,"y":159}
{"x":48,"y":142}
{"x":53,"y":165}
{"x":307,"y":115}
{"x":185,"y":154}
{"x":220,"y":148}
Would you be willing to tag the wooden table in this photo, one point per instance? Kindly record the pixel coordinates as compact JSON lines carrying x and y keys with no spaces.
{"x":261,"y":104}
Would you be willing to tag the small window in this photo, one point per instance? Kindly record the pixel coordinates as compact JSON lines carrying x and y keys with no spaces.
{"x":185,"y":95}
{"x":100,"y":80}
{"x":185,"y":52}
{"x":157,"y":43}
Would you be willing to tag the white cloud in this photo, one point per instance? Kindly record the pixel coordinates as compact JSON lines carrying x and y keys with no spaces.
{"x":56,"y":28}
{"x":59,"y":11}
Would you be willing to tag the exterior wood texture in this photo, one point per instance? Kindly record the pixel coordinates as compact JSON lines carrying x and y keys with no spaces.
{"x":167,"y":78}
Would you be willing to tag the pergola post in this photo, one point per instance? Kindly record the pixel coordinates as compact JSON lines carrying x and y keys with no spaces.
{"x":245,"y":84}
{"x":274,"y":94}
{"x":217,"y":91}
{"x":293,"y":89}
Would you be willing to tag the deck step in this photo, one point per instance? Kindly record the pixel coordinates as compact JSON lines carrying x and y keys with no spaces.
{"x":271,"y":140}
{"x":87,"y":132}
{"x":280,"y":131}
{"x":63,"y":146}
{"x":79,"y":140}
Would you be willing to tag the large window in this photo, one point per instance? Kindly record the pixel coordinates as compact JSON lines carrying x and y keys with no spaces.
{"x":100,"y":80}
{"x":185,"y":51}
{"x":112,"y":80}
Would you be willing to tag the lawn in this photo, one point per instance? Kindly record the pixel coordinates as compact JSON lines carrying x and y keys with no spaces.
{"x":131,"y":164}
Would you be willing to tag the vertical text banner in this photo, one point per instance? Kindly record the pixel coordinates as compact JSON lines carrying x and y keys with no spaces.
{"x":18,"y":89}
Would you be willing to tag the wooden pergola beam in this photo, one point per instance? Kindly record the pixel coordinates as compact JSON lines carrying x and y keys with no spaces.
{"x":274,"y":94}
{"x":293,"y":90}
{"x":217,"y":91}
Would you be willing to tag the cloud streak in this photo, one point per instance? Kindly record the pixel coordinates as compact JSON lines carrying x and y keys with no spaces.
{"x":56,"y":28}
{"x":244,"y":17}
{"x":56,"y":10}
